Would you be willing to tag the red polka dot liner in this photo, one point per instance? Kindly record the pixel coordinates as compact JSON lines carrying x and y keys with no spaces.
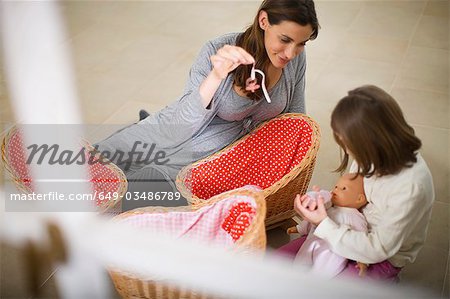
{"x":262,"y":159}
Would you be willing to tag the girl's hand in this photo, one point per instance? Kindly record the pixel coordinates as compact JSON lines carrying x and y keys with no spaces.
{"x":313,"y":212}
{"x":228,"y":58}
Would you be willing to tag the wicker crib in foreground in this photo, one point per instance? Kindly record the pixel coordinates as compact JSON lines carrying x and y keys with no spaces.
{"x":107,"y":180}
{"x":233,"y":220}
{"x":278,"y":156}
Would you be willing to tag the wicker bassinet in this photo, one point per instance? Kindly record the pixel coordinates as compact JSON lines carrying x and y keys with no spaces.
{"x":227,"y":210}
{"x":278,"y":156}
{"x":106,"y":178}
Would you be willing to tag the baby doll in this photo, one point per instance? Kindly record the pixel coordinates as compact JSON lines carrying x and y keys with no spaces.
{"x":342,"y":204}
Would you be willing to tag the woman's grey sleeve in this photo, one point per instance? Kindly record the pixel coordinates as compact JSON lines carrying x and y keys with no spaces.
{"x":188,"y":112}
{"x":297,"y":102}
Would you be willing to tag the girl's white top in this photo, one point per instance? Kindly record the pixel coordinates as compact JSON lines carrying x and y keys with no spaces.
{"x":398,"y":213}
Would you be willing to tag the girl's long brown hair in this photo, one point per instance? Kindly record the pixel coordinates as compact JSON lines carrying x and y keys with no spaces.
{"x":369,"y":124}
{"x":301,"y":12}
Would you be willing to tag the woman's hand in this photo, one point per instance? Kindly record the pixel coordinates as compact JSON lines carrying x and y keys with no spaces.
{"x":313,"y":212}
{"x":224,"y":61}
{"x":228,"y":58}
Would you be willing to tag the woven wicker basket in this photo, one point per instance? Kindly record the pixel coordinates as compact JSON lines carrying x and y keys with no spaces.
{"x":281,"y":194}
{"x":252,"y":241}
{"x":14,"y":161}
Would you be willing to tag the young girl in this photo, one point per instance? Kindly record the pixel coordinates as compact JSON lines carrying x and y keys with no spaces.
{"x":369,"y":126}
{"x":220,"y":104}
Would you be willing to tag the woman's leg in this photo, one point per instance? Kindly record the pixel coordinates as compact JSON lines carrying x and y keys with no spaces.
{"x":130,"y":147}
{"x":149,"y":186}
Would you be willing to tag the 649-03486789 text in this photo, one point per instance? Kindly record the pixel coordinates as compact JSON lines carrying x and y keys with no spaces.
{"x":156,"y":196}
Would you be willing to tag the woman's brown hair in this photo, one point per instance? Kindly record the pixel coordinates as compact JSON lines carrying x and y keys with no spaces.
{"x":301,"y":12}
{"x":369,"y":124}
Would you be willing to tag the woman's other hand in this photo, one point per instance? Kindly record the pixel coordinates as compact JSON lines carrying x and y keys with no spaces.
{"x":224,"y":61}
{"x":312,"y":211}
{"x":228,"y":58}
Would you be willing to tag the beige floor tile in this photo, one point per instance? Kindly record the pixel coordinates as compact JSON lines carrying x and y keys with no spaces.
{"x":99,"y":47}
{"x":425,"y":68}
{"x":97,"y":113}
{"x":146,"y":57}
{"x":244,"y":13}
{"x":102,"y":94}
{"x":94,"y":133}
{"x":81,"y":15}
{"x":128,"y":112}
{"x":408,"y":6}
{"x":414,"y":101}
{"x":119,"y":24}
{"x":434,"y":150}
{"x":373,"y":48}
{"x":438,"y":231}
{"x":328,"y":157}
{"x":222,"y":17}
{"x":445,"y":289}
{"x":427,"y":271}
{"x":437,"y":8}
{"x":323,"y":175}
{"x":146,"y":15}
{"x":343,"y":74}
{"x":168,"y":85}
{"x":326,"y":43}
{"x":146,"y":70}
{"x":432,"y":32}
{"x":427,"y":56}
{"x":388,"y":19}
{"x":314,"y":68}
{"x":2,"y":66}
{"x":6,"y":113}
{"x":333,"y":14}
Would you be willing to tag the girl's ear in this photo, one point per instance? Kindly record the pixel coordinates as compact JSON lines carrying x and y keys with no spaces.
{"x":263,"y":19}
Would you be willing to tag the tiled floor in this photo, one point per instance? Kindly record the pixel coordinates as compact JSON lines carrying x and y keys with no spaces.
{"x":132,"y":55}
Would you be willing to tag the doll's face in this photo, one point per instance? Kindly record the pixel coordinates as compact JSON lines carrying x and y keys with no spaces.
{"x":349,"y":193}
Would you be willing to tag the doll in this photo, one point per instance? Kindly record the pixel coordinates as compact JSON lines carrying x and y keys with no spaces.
{"x":342,"y":203}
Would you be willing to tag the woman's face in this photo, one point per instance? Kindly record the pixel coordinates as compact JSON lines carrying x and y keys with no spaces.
{"x":284,"y":41}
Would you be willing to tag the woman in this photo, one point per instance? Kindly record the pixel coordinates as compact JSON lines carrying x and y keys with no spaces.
{"x":369,"y":126}
{"x":220,"y":104}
